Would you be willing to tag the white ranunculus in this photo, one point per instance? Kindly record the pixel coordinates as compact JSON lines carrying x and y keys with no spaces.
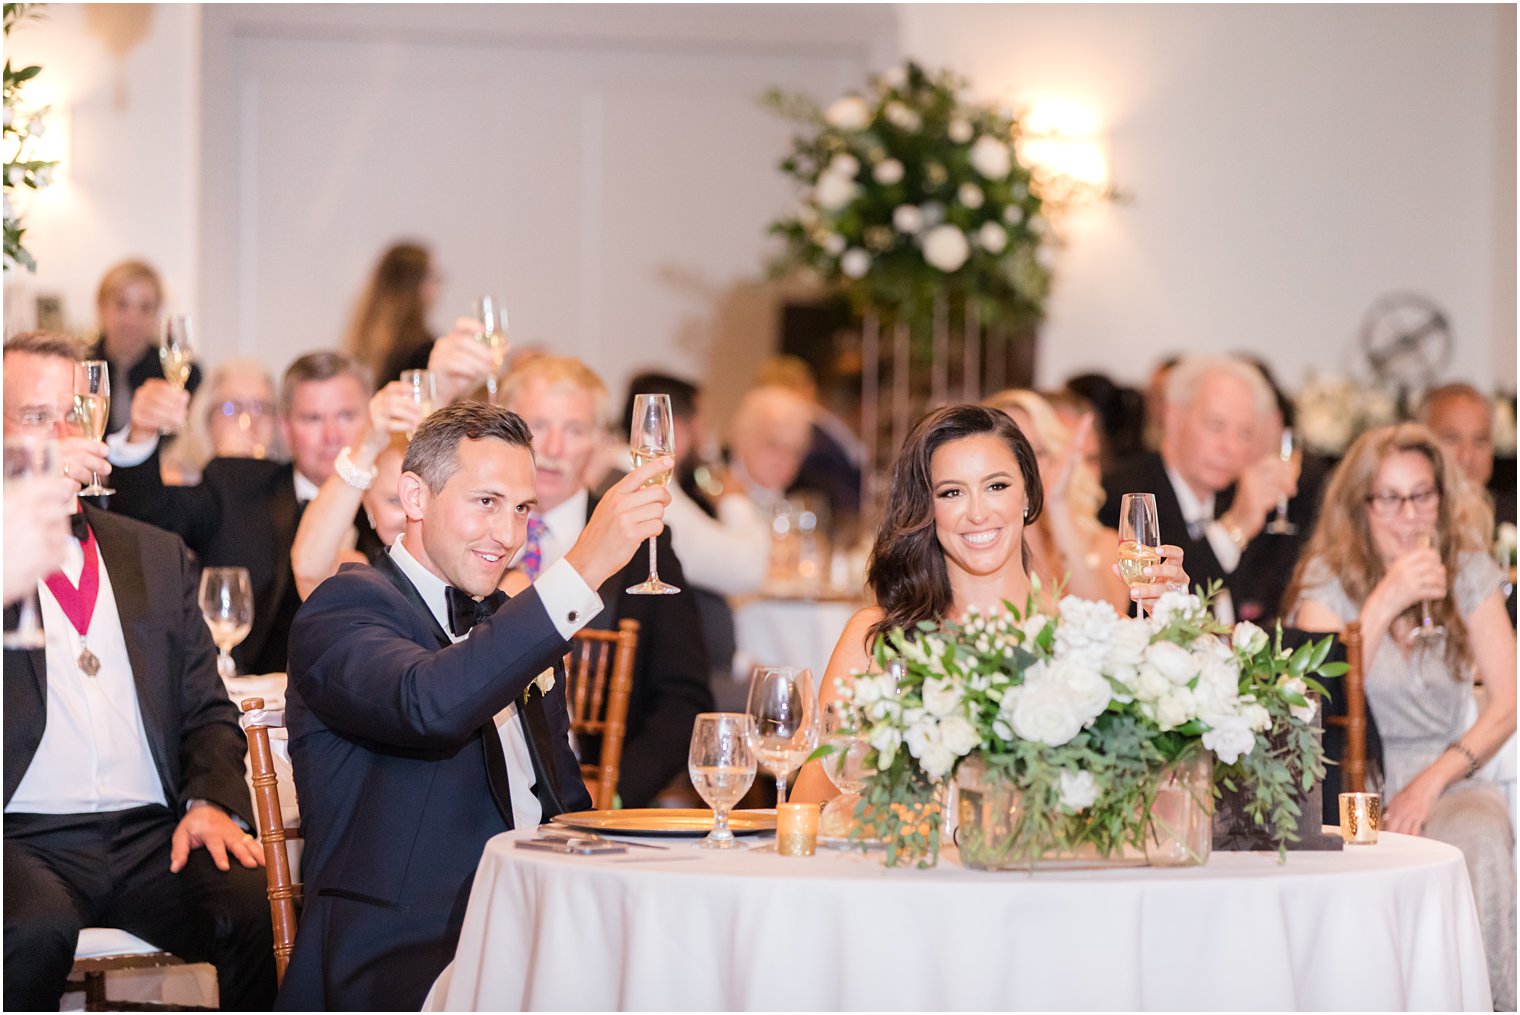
{"x":946,"y":248}
{"x":992,"y":237}
{"x":906,"y":218}
{"x":844,"y":164}
{"x":1230,"y":739}
{"x":1296,"y":685}
{"x":1248,"y":638}
{"x":970,"y":195}
{"x":888,"y":172}
{"x":833,"y":243}
{"x":1174,"y":662}
{"x":1046,"y":713}
{"x":991,"y":158}
{"x":1078,"y":790}
{"x":1127,"y":642}
{"x":958,"y":735}
{"x":855,"y":263}
{"x":960,"y":130}
{"x":833,"y":191}
{"x":886,"y":738}
{"x":942,"y":696}
{"x":848,"y":113}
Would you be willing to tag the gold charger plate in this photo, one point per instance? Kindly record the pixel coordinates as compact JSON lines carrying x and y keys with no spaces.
{"x":667,"y":822}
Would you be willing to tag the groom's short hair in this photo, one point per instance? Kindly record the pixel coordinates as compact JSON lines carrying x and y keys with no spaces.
{"x":433,"y":454}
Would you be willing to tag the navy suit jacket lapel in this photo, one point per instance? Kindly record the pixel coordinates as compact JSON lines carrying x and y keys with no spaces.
{"x":404,"y":585}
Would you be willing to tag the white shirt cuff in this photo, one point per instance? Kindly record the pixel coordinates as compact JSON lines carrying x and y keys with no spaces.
{"x":125,"y":453}
{"x":570,"y":601}
{"x":1225,"y":550}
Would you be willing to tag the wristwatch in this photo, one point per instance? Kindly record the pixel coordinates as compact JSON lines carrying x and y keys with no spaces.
{"x":359,"y":479}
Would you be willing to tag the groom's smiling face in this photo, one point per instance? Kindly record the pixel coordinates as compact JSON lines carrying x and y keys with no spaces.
{"x":471,"y":528}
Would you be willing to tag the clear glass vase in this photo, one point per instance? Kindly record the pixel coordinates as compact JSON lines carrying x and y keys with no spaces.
{"x":1180,"y":826}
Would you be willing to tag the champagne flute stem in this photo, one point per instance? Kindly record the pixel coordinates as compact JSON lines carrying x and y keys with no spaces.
{"x":654,"y":571}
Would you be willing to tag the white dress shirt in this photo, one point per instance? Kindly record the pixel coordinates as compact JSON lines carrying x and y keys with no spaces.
{"x":94,"y":752}
{"x":565,"y":595}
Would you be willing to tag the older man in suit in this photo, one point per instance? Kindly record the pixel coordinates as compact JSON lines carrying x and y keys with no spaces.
{"x":423,"y":715}
{"x":123,"y":760}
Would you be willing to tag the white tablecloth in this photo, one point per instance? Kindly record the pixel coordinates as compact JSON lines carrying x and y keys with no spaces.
{"x":1390,"y":926}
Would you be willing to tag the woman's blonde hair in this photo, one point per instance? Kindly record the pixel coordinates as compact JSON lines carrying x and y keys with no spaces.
{"x":1084,"y":494}
{"x":1342,"y":539}
{"x":185,"y":459}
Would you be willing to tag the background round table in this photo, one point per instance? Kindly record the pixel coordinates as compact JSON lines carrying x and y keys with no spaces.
{"x":1390,"y":926}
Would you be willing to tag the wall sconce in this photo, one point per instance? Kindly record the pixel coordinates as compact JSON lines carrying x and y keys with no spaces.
{"x":1066,"y":153}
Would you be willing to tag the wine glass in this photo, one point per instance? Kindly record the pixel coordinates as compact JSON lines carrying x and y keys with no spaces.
{"x":722,"y":767}
{"x":226,"y":599}
{"x":28,"y":457}
{"x":845,"y":766}
{"x":493,"y":335}
{"x":1427,"y":632}
{"x":422,"y":387}
{"x":1139,"y":541}
{"x":92,"y":410}
{"x":1279,"y":525}
{"x":651,"y":435}
{"x":176,"y":352}
{"x":784,"y":722}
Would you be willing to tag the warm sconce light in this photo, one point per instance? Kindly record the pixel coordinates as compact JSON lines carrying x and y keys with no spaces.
{"x":1066,"y":153}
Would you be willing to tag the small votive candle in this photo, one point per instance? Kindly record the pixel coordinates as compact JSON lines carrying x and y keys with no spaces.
{"x":796,"y":829}
{"x":1361,"y":815}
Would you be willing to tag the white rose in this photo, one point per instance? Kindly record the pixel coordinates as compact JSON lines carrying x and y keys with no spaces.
{"x":958,"y":735}
{"x":844,"y":164}
{"x":941,"y":697}
{"x":1078,"y":790}
{"x":991,"y":158}
{"x":1150,"y":685}
{"x":906,"y":218}
{"x":888,"y":172}
{"x":833,"y":191}
{"x":544,"y":681}
{"x":970,"y":195}
{"x":848,"y":113}
{"x":937,"y":760}
{"x":1295,"y":685}
{"x":1230,"y":739}
{"x":1174,"y":662}
{"x":960,"y":130}
{"x":901,"y":116}
{"x":1176,"y":707}
{"x":1248,"y":638}
{"x":833,"y":243}
{"x":886,"y":739}
{"x":1045,"y":713}
{"x":992,"y":237}
{"x":1217,"y":689}
{"x":855,"y":262}
{"x":1127,"y":642}
{"x":945,"y":248}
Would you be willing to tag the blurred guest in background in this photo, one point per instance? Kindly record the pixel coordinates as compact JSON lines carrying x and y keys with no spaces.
{"x":564,"y":405}
{"x":1070,"y":408}
{"x":771,"y":434}
{"x":835,"y":454}
{"x":232,"y":416}
{"x":1121,"y":416}
{"x":1155,"y":401}
{"x":1462,"y":418}
{"x":129,"y":306}
{"x":1371,"y":560}
{"x":1215,"y":491}
{"x":389,"y":332}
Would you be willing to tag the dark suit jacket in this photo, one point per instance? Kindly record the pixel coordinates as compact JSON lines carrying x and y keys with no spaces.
{"x":388,"y":739}
{"x":670,"y":674}
{"x":190,"y":724}
{"x":243,"y":513}
{"x":1259,"y":581}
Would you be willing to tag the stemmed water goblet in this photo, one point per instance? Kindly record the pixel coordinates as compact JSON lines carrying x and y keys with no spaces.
{"x":651,"y":435}
{"x":1139,"y":541}
{"x":784,"y":722}
{"x":226,"y":600}
{"x":722,"y":768}
{"x":846,"y":767}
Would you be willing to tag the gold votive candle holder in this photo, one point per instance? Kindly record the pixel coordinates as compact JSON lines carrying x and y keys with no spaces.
{"x":1361,"y":816}
{"x":796,"y":829}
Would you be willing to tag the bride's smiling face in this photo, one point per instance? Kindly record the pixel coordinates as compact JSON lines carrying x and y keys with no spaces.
{"x":979,"y":504}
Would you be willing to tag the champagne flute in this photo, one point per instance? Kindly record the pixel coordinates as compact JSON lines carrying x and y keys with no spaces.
{"x":1139,"y":541}
{"x":652,"y":435}
{"x":1428,"y":632}
{"x":226,"y":598}
{"x":422,"y":387}
{"x":722,"y":767}
{"x":92,"y":410}
{"x":1279,"y":525}
{"x":845,"y":766}
{"x":784,"y":723}
{"x":493,"y":318}
{"x":28,"y":457}
{"x":176,"y":352}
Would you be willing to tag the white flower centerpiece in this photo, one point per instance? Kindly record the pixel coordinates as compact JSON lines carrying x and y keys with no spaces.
{"x":1082,"y":716}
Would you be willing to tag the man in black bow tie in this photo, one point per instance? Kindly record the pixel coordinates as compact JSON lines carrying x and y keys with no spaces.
{"x":423,"y":720}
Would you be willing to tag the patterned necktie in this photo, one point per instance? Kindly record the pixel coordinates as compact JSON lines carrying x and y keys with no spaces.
{"x":533,"y":551}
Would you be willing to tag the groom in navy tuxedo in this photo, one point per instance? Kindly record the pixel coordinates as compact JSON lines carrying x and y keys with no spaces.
{"x":422,"y":722}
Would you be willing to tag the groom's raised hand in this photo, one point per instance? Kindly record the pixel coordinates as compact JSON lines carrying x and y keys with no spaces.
{"x":627,"y":516}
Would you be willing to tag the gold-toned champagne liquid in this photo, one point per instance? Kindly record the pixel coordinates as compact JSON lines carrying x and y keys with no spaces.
{"x":93,"y":411}
{"x":1134,"y":558}
{"x":642,"y":455}
{"x":176,"y":363}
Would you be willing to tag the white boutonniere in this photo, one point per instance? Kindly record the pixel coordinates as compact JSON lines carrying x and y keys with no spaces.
{"x":544,"y":682}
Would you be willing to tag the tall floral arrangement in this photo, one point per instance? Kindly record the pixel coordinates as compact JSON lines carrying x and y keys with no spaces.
{"x":912,"y":192}
{"x":1080,"y":710}
{"x":22,"y":167}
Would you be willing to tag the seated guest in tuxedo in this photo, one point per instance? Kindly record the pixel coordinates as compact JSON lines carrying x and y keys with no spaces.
{"x":244,"y":512}
{"x":123,"y":758}
{"x":563,"y":402}
{"x":1216,"y":489}
{"x":423,"y":720}
{"x":129,"y":305}
{"x":1462,"y":418}
{"x":232,"y":416}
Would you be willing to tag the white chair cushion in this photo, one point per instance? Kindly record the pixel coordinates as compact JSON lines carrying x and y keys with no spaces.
{"x":95,"y":942}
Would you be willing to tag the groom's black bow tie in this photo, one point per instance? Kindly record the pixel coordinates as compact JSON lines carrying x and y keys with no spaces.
{"x":465,"y":612}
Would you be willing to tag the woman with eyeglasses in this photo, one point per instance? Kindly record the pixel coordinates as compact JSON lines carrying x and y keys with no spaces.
{"x":231,"y":417}
{"x":1403,"y":537}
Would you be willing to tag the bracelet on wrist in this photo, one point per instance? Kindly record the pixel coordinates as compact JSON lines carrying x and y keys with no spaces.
{"x":359,"y":479}
{"x":1233,"y":530}
{"x":1472,"y":759}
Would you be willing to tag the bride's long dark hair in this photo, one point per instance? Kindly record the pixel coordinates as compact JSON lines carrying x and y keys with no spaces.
{"x":907,"y":570}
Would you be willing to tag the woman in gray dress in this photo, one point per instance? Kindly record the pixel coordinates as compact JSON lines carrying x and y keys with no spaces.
{"x":1401,"y":532}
